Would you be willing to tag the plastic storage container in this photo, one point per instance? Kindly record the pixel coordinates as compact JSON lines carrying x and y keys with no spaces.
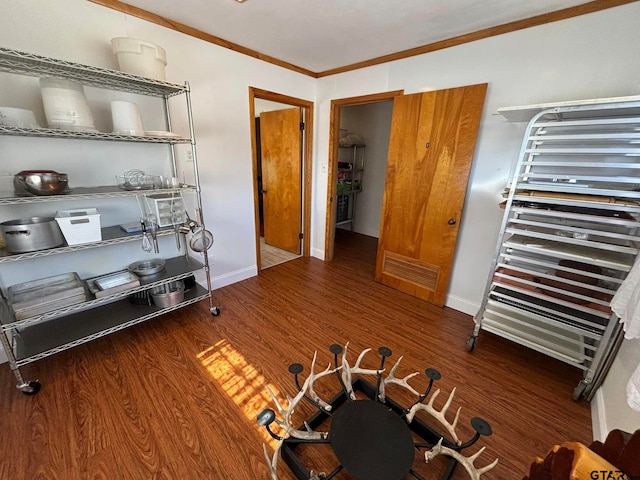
{"x":65,"y":105}
{"x":140,"y":57}
{"x":168,"y":208}
{"x":80,"y":226}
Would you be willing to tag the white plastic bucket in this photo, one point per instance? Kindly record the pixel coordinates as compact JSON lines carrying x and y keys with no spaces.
{"x":126,"y":118}
{"x":140,"y":57}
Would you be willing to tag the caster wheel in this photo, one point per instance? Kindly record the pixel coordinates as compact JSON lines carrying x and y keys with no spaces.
{"x":215,"y":311}
{"x":579,"y":390}
{"x":471,"y":343}
{"x":31,"y":388}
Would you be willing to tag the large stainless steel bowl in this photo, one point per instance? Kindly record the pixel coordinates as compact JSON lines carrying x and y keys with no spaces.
{"x":41,"y":182}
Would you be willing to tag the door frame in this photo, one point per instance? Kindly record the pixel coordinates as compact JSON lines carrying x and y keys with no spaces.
{"x":307,"y":162}
{"x":332,"y":166}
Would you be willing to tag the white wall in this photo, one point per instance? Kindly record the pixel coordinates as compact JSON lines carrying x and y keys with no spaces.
{"x":262,"y":105}
{"x":609,"y":407}
{"x":372,"y":122}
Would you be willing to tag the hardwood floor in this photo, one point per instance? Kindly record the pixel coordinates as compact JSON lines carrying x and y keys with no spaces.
{"x":271,"y":256}
{"x":177,"y":397}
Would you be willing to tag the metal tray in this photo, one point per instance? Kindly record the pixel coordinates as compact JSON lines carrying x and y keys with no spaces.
{"x":44,"y":291}
{"x":48,"y":307}
{"x":106,"y":285}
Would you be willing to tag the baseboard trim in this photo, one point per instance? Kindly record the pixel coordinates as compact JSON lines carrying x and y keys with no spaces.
{"x":599,"y":417}
{"x":220,"y":281}
{"x":462,"y":305}
{"x":369,"y":232}
{"x":317,"y":253}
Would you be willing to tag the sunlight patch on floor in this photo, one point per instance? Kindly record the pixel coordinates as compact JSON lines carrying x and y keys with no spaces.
{"x":241,"y":381}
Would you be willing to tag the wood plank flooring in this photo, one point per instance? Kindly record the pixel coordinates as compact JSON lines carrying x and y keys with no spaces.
{"x":177,"y":397}
{"x":271,"y":256}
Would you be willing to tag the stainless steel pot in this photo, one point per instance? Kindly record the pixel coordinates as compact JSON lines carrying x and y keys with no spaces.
{"x":168,"y":294}
{"x":31,"y":234}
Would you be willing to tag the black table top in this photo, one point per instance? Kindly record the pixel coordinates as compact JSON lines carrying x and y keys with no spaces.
{"x":371,"y":441}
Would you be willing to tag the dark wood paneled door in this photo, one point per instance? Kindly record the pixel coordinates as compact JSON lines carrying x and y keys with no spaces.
{"x":433,"y":139}
{"x":281,"y":147}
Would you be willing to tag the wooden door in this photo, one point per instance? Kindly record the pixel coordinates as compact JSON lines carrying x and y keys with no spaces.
{"x":433,"y":138}
{"x":281,"y":148}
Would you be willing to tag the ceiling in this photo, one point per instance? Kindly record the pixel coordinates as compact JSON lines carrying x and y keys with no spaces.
{"x":321,"y":35}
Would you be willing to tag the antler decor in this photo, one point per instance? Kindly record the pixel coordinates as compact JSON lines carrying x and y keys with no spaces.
{"x":273,"y":462}
{"x":385,"y":442}
{"x":403,"y":382}
{"x":466,"y":462}
{"x":348,"y":372}
{"x":438,"y":415}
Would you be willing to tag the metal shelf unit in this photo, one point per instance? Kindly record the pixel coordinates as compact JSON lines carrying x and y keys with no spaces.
{"x":30,"y":339}
{"x":350,"y":172}
{"x":569,"y":235}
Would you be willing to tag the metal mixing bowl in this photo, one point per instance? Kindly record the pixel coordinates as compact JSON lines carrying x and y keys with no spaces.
{"x":41,"y":182}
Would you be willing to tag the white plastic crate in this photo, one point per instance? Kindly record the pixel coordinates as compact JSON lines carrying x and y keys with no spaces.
{"x":80,"y":225}
{"x":164,"y":205}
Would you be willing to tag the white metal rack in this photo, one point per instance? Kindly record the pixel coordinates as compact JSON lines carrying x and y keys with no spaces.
{"x":36,"y":337}
{"x":569,"y":234}
{"x":351,"y":166}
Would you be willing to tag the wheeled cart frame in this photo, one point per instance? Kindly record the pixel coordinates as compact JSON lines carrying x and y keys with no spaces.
{"x":568,"y":237}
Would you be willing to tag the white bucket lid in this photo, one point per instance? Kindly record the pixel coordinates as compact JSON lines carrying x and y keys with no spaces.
{"x":134,"y":45}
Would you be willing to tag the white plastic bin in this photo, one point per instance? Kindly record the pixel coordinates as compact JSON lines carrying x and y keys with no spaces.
{"x":65,"y":105}
{"x":80,"y":225}
{"x":140,"y":57}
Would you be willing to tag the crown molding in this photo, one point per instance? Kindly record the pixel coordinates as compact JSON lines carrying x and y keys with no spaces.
{"x":584,"y":9}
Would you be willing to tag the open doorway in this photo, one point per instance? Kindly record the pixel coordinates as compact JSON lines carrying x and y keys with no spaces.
{"x":281,"y":139}
{"x":430,"y":151}
{"x":359,"y":142}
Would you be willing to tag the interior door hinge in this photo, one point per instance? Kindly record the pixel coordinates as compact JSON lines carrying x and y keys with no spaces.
{"x":300,"y":236}
{"x":301,"y":125}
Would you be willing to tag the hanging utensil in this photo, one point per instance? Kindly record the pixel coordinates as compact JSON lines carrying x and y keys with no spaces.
{"x":175,"y":219}
{"x":201,"y":240}
{"x":146,"y":243}
{"x":153,"y":230}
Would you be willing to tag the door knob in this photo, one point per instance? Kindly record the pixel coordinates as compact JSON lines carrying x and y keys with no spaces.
{"x":452,"y":221}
